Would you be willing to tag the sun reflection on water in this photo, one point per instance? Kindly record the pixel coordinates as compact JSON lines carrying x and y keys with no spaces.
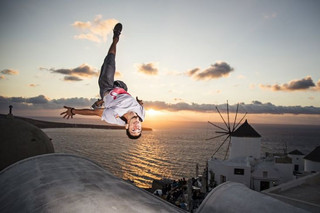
{"x":145,"y":162}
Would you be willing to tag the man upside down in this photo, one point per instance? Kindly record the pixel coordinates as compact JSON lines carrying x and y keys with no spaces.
{"x":119,"y":106}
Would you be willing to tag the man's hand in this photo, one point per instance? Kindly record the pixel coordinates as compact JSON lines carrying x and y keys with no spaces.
{"x":139,"y":101}
{"x":68,"y":113}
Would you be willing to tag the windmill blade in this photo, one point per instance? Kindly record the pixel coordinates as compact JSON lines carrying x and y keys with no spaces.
{"x":241,"y":120}
{"x":235,"y":119}
{"x":225,"y":156}
{"x":222,"y":117}
{"x":217,"y":126}
{"x":216,"y":136}
{"x":225,"y":132}
{"x":228,"y":116}
{"x":221,"y":145}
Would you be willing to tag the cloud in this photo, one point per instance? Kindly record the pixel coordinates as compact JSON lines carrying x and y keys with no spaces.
{"x":84,"y":71}
{"x":75,"y":74}
{"x":255,"y":107}
{"x":178,"y":99}
{"x":9,"y":72}
{"x":318,"y":85}
{"x":192,"y":72}
{"x":2,"y":77}
{"x":90,"y":37}
{"x":118,"y":74}
{"x":43,"y":102}
{"x":33,"y":85}
{"x":217,"y":70}
{"x":41,"y":99}
{"x":72,"y":78}
{"x":294,"y":85}
{"x":96,"y":30}
{"x":82,"y":25}
{"x":148,"y":69}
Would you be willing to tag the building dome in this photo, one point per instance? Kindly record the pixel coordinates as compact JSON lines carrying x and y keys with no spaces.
{"x":20,"y":140}
{"x":68,"y":183}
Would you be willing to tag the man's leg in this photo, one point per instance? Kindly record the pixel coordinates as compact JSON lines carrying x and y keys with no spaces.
{"x":113,"y":46}
{"x":108,"y":68}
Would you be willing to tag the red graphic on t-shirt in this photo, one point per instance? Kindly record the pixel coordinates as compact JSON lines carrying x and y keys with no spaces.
{"x":116,"y":91}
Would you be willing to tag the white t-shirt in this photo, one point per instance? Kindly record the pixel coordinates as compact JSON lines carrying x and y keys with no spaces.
{"x":116,"y":105}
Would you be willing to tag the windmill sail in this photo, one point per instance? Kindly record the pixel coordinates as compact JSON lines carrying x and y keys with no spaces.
{"x":226,"y":131}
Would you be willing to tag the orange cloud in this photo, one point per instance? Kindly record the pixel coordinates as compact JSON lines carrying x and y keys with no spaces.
{"x":148,"y":69}
{"x":118,"y":74}
{"x":75,"y":74}
{"x":217,"y":70}
{"x":294,"y":85}
{"x":96,"y":30}
{"x":9,"y":72}
{"x":33,"y":85}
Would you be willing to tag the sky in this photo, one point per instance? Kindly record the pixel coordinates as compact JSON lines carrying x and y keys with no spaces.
{"x":183,"y":58}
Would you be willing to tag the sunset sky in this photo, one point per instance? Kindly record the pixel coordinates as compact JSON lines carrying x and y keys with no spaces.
{"x":181,"y":57}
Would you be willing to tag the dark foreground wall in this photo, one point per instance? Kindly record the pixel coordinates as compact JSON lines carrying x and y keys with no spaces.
{"x":20,"y":140}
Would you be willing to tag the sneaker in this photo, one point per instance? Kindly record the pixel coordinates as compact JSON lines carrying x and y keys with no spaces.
{"x":97,"y":104}
{"x":117,"y":30}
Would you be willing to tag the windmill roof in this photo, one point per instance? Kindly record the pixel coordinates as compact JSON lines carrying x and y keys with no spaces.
{"x":245,"y":130}
{"x":295,"y":152}
{"x":314,"y":155}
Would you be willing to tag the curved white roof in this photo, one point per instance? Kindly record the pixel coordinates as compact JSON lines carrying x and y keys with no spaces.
{"x":236,"y":197}
{"x":69,"y":183}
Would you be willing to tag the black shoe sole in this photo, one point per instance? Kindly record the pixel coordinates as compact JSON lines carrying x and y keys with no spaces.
{"x":117,"y":30}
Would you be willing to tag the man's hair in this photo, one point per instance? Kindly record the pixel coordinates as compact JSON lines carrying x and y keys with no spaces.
{"x":132,"y":136}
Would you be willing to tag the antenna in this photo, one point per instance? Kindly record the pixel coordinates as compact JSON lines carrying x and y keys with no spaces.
{"x":228,"y":131}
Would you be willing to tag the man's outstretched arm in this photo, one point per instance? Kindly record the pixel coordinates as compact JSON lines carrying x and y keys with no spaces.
{"x":70,"y":112}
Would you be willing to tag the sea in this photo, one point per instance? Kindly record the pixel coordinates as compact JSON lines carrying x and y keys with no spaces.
{"x":172,"y":152}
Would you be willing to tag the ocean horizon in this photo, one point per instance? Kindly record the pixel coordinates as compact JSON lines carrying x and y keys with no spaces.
{"x":171,"y":152}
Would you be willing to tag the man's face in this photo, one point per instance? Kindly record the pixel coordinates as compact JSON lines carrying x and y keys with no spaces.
{"x":134,"y":126}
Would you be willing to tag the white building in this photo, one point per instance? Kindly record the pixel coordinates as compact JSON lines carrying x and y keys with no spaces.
{"x":297,"y":160}
{"x":312,"y":161}
{"x":236,"y":170}
{"x":245,"y":165}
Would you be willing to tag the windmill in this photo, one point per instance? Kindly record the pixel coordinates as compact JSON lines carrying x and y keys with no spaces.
{"x":226,"y":131}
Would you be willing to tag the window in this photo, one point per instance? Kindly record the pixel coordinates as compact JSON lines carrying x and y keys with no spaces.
{"x":239,"y":171}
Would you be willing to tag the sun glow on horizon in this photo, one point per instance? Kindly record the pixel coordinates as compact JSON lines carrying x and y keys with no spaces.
{"x":152,"y":112}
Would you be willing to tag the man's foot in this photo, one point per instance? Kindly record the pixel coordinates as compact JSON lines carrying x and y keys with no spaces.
{"x":117,"y":30}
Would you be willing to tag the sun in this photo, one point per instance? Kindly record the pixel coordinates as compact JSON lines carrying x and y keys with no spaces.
{"x":152,"y":112}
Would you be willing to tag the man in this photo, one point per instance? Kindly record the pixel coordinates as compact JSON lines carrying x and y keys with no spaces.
{"x":119,"y":106}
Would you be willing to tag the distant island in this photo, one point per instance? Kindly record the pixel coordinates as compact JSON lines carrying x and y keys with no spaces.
{"x":49,"y":124}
